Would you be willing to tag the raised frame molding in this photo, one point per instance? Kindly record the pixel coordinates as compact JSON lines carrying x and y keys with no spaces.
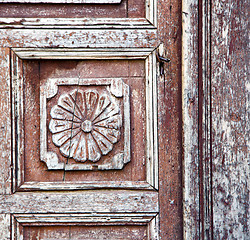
{"x":76,"y":23}
{"x":148,"y":55}
{"x":19,"y":221}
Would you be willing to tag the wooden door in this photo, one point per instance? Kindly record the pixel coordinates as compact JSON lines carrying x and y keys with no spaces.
{"x":91,"y":121}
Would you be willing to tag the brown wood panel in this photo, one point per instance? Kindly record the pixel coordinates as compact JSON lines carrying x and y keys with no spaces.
{"x":63,"y":10}
{"x":127,"y":8}
{"x":86,"y":232}
{"x":136,"y":8}
{"x":133,"y":74}
{"x":230,"y":119}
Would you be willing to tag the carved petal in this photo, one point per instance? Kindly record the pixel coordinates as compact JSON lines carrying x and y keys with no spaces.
{"x":81,"y":151}
{"x":112,"y":122}
{"x":103,"y":143}
{"x":80,"y":101}
{"x":62,"y":125}
{"x":60,"y":113}
{"x":103,"y":103}
{"x":91,"y":98}
{"x":62,"y":137}
{"x":93,"y":152}
{"x":67,"y":102}
{"x":68,"y":148}
{"x":110,"y":111}
{"x":111,"y":134}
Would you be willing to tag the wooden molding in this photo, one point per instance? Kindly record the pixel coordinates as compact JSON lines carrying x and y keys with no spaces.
{"x":191,"y":211}
{"x":151,"y":114}
{"x":80,"y":201}
{"x":20,"y":221}
{"x":81,"y":23}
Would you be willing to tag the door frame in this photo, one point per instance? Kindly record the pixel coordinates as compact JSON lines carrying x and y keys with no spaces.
{"x":196,"y":106}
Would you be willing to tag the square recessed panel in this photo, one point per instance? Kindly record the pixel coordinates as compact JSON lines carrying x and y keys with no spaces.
{"x":85,"y":226}
{"x":35,"y":10}
{"x":103,"y":140}
{"x":81,"y":124}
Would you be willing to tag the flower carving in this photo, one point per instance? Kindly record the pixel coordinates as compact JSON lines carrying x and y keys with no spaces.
{"x":85,"y":124}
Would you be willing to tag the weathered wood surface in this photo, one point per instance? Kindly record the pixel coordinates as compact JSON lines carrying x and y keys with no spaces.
{"x":230,"y":119}
{"x":65,"y":185}
{"x":81,"y":23}
{"x":83,"y":53}
{"x":84,"y":219}
{"x":205,"y":120}
{"x":169,"y":121}
{"x":88,"y":225}
{"x":127,"y":232}
{"x":17,"y":10}
{"x":113,"y":36}
{"x":63,"y":1}
{"x":132,"y":72}
{"x":75,"y":38}
{"x":5,"y":123}
{"x":76,"y":202}
{"x":5,"y":226}
{"x":190,"y":119}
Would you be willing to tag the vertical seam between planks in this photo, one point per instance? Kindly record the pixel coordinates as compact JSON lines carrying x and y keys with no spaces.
{"x":200,"y":119}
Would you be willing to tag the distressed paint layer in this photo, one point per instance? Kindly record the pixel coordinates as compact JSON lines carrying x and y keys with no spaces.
{"x":190,"y":119}
{"x":75,"y":38}
{"x":76,"y":202}
{"x":63,"y":1}
{"x":5,"y":226}
{"x":230,"y":119}
{"x":5,"y":122}
{"x":169,"y":121}
{"x":85,"y":125}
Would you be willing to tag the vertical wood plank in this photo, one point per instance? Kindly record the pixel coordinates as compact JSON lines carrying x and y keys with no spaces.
{"x":230,"y":115}
{"x":5,"y":122}
{"x":190,"y":118}
{"x":169,"y":121}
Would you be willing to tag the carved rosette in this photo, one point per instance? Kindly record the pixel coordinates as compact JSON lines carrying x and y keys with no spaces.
{"x":85,"y":124}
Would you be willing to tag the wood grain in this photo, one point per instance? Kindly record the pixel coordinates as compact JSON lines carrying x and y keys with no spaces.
{"x":75,"y":202}
{"x":5,"y":226}
{"x":87,"y":233}
{"x":190,"y":119}
{"x":81,"y":23}
{"x":78,"y":38}
{"x":132,"y":72}
{"x":169,"y":121}
{"x":34,"y":10}
{"x":63,"y":1}
{"x":230,"y":119}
